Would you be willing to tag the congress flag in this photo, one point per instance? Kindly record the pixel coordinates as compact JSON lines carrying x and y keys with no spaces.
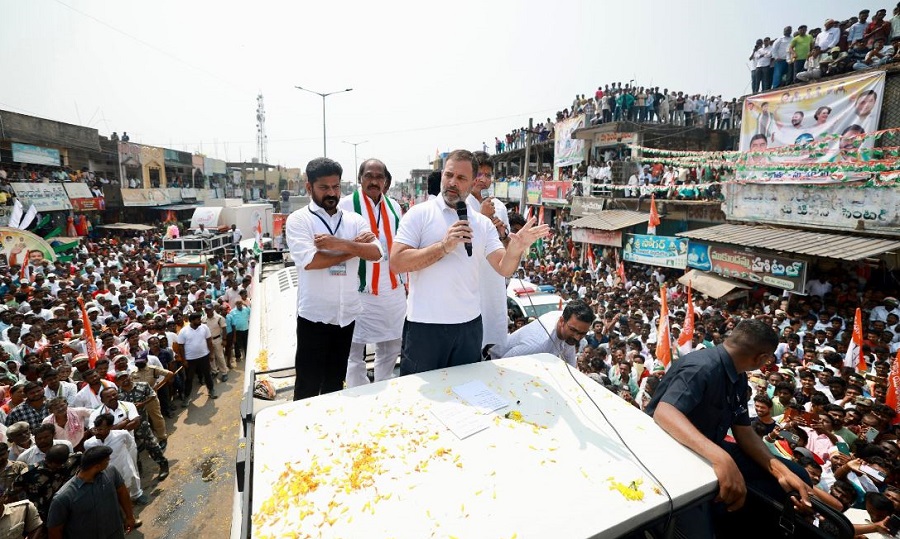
{"x":654,"y":216}
{"x":855,"y":357}
{"x":663,"y":336}
{"x":686,"y":337}
{"x":892,"y":398}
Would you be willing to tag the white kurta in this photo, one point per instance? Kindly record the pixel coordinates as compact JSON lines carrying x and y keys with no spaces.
{"x":123,"y":458}
{"x":382,"y":316}
{"x":492,"y":288}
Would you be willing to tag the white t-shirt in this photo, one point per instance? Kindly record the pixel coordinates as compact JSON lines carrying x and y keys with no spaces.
{"x":194,"y":341}
{"x":446,"y":292}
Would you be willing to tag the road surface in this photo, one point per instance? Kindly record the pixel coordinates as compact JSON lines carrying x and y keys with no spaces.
{"x":196,"y":499}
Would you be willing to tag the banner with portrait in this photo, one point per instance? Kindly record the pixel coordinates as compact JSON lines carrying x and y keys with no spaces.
{"x":567,"y":150}
{"x":21,"y":247}
{"x":825,"y":121}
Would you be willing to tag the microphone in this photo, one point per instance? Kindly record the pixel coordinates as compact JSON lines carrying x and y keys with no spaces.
{"x":463,"y":215}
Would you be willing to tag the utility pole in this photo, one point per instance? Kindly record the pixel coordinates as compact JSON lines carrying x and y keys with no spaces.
{"x":323,"y":96}
{"x":355,"y":160}
{"x":525,"y":174}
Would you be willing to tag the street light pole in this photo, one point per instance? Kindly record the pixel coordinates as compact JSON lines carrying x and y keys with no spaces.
{"x":323,"y":96}
{"x":355,"y":160}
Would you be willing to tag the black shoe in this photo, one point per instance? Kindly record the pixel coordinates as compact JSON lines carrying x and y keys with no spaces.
{"x":184,"y":403}
{"x":213,"y":395}
{"x":163,"y":471}
{"x":163,"y":445}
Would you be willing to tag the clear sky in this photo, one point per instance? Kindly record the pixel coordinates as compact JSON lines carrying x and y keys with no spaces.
{"x":425,"y":76}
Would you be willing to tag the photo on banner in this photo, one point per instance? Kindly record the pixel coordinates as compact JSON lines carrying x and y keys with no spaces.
{"x":567,"y":150}
{"x":836,"y":113}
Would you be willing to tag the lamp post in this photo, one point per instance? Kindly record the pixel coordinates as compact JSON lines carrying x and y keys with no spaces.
{"x":355,"y":161}
{"x":323,"y":96}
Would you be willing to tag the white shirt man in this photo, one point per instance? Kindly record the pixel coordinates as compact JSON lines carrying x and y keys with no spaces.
{"x":443,"y":316}
{"x":326,"y":244}
{"x":492,"y":285}
{"x":556,"y":332}
{"x":830,"y":37}
{"x":381,"y":292}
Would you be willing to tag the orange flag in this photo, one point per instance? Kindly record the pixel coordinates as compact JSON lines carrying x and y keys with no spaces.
{"x":855,"y":357}
{"x":654,"y":216}
{"x":892,"y":398}
{"x":686,"y":337}
{"x":90,"y":345}
{"x":663,"y":337}
{"x":590,"y":256}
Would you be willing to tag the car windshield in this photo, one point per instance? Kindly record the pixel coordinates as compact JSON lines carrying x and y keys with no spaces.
{"x":534,"y":311}
{"x":168,"y":274}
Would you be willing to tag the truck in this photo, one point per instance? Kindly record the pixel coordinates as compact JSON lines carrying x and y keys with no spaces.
{"x":220,"y":214}
{"x":189,"y":255}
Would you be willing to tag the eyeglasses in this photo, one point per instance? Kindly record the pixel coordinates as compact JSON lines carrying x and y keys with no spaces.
{"x":486,"y":175}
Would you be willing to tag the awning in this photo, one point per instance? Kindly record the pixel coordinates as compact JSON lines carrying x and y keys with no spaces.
{"x":176,"y":207}
{"x":127,"y":226}
{"x":839,"y":247}
{"x":611,"y":220}
{"x":710,"y":284}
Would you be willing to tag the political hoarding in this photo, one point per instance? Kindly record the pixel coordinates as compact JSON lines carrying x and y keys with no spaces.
{"x":665,"y":251}
{"x":824,"y":120}
{"x":21,"y":247}
{"x":35,"y":155}
{"x":567,"y":150}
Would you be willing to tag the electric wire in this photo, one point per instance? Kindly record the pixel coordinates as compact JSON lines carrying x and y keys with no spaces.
{"x":671,"y":503}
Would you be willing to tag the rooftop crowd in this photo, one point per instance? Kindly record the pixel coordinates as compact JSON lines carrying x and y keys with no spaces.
{"x":69,"y":406}
{"x":838,"y":46}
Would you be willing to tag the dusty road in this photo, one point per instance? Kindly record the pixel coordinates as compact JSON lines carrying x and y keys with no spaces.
{"x":196,"y":500}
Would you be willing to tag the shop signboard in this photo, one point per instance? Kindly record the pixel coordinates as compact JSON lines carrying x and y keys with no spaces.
{"x":88,"y":204}
{"x":603,"y":140}
{"x":838,"y":207}
{"x":760,"y":268}
{"x":582,"y":206}
{"x":612,"y":238}
{"x":145,"y":197}
{"x":501,"y":189}
{"x":554,"y":192}
{"x":44,"y":196}
{"x":665,"y":251}
{"x":35,"y":155}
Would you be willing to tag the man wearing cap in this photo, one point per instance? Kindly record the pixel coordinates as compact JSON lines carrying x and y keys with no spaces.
{"x":145,"y":399}
{"x":97,"y":491}
{"x":830,"y":36}
{"x":156,"y":377}
{"x":216,"y":324}
{"x":381,"y":292}
{"x":881,"y":312}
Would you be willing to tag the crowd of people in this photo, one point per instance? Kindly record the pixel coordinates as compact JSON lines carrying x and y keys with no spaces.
{"x":95,"y":355}
{"x":836,"y":47}
{"x":809,"y":402}
{"x":823,"y":415}
{"x":640,"y":104}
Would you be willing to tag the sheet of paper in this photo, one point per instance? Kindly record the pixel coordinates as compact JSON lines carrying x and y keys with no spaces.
{"x":462,"y":420}
{"x":479,"y":395}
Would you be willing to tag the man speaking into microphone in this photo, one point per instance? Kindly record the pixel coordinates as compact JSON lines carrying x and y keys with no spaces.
{"x":443,"y":318}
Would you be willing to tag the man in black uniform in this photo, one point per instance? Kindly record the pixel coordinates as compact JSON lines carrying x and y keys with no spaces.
{"x":703,"y":395}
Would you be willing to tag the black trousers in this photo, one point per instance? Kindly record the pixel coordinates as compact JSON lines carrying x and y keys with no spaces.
{"x":197,"y":366}
{"x":321,"y":359}
{"x":427,"y":347}
{"x":240,"y":343}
